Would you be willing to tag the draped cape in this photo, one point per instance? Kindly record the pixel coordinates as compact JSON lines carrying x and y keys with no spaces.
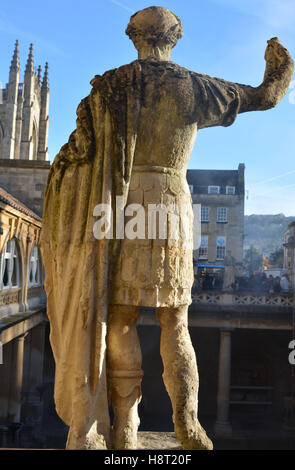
{"x":94,"y":165}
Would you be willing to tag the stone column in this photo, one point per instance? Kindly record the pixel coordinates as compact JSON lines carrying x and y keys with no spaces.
{"x":16,"y":380}
{"x":222,"y":426}
{"x":3,"y":435}
{"x":33,"y":374}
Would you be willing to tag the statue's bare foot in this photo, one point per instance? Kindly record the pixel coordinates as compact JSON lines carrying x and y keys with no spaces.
{"x":91,"y":441}
{"x":196,"y":439}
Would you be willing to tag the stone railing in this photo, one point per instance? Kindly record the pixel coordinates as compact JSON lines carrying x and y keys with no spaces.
{"x":242,"y":298}
{"x":9,"y":297}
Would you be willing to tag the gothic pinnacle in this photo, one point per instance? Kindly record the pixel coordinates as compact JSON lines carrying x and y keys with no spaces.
{"x":39,"y":75}
{"x":15,"y":58}
{"x":30,"y":62}
{"x":45,"y":83}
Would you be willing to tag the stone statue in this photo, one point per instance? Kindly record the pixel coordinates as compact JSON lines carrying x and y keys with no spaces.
{"x":135,"y":132}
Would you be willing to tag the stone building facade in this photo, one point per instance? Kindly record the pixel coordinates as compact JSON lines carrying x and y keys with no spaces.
{"x":221,"y":195}
{"x":22,"y":317}
{"x":21,"y":276}
{"x":24,"y":167}
{"x":24,"y":124}
{"x":24,"y":117}
{"x":26,"y":179}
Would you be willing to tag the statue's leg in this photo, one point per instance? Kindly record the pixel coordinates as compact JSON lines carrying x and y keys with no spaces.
{"x":181,"y":377}
{"x":124,"y":374}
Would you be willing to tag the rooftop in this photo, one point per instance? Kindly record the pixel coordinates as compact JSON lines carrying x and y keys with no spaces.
{"x":13,"y":202}
{"x":201,"y":179}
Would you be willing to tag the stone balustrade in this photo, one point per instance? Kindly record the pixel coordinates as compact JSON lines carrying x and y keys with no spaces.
{"x":243,"y":298}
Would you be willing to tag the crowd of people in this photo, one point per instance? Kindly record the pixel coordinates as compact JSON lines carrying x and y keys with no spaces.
{"x":257,"y":282}
{"x":260,"y":283}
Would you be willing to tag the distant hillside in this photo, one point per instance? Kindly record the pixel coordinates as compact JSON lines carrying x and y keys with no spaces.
{"x":266,"y":232}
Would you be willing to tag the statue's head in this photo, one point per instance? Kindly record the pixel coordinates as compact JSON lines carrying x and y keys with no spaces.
{"x":154,"y":32}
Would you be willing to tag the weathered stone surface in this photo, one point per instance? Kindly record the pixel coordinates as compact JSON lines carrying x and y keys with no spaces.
{"x":154,"y":32}
{"x":140,"y":117}
{"x":158,"y":440}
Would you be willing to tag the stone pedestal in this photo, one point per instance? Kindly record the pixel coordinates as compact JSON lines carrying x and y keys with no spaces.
{"x":158,"y":440}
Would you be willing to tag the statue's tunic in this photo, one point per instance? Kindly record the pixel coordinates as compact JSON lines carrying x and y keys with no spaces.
{"x":158,"y":271}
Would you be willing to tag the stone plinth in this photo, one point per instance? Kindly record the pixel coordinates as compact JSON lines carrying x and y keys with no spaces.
{"x":158,"y":440}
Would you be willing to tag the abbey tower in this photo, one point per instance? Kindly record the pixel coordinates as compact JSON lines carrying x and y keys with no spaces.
{"x":24,"y":124}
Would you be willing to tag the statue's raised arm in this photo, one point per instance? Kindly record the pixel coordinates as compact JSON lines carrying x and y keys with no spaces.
{"x":218,"y":102}
{"x":277,"y":77}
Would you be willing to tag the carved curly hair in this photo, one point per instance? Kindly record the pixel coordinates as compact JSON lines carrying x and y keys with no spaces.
{"x":167,"y":28}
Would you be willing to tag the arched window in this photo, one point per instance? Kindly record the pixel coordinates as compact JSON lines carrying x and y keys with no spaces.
{"x":10,"y":266}
{"x":35,"y":268}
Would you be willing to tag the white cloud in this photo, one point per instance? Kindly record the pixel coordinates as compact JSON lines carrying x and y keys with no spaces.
{"x":125,"y":7}
{"x":274,"y":178}
{"x":6,"y":26}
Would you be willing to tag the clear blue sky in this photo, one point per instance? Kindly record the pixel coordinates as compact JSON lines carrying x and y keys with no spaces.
{"x":223,"y":38}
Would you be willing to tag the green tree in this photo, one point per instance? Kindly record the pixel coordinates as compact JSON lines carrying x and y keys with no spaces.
{"x":252,"y":259}
{"x":276,"y":259}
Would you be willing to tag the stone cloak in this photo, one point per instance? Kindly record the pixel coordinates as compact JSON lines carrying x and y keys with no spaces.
{"x":93,"y":167}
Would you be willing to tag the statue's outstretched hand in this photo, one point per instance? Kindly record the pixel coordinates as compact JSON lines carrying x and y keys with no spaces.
{"x":277,"y":78}
{"x":275,"y":56}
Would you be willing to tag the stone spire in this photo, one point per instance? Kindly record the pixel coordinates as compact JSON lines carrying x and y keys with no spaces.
{"x":30,"y":62}
{"x":28,"y":136}
{"x":39,"y":75}
{"x":14,"y":67}
{"x":11,"y":105}
{"x":44,"y":118}
{"x":45,"y":83}
{"x":14,"y":75}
